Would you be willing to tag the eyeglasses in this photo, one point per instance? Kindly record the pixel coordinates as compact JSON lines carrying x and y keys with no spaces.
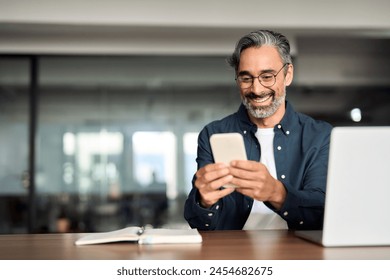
{"x":266,"y":79}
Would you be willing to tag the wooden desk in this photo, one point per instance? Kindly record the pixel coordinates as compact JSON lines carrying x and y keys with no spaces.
{"x":222,"y":245}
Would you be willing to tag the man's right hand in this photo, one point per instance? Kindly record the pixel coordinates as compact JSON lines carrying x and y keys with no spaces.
{"x":209,"y":180}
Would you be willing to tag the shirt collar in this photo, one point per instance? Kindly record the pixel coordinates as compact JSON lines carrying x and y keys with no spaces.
{"x":289,"y":119}
{"x":245,"y":123}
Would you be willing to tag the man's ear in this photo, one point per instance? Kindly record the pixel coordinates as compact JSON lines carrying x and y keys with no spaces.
{"x":289,"y":75}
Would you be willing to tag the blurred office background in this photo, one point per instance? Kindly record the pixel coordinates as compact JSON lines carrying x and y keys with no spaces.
{"x":101,"y":102}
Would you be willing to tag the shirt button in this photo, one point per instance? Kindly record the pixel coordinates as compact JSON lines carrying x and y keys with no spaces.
{"x":244,"y":131}
{"x":285,"y":213}
{"x":279,"y":126}
{"x":287,"y":132}
{"x":210,"y":214}
{"x":283,"y":176}
{"x":301,"y":222}
{"x":279,"y":148}
{"x":207,"y":225}
{"x":217,"y":207}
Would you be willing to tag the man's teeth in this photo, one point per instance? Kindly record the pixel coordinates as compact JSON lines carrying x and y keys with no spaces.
{"x":261,"y":100}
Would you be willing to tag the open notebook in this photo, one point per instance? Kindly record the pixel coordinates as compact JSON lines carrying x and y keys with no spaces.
{"x":143,"y":236}
{"x":358,"y":190}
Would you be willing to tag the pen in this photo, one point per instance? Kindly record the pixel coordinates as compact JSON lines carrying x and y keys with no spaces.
{"x":141,"y":231}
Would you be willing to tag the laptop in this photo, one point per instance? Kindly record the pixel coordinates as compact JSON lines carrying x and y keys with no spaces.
{"x":357,"y":203}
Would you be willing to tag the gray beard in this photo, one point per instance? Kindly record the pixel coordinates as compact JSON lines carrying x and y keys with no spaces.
{"x":261,"y":112}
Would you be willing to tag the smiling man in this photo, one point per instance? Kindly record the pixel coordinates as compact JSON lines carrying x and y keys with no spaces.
{"x":282,"y":184}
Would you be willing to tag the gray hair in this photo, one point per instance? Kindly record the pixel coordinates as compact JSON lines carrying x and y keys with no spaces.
{"x":260,"y":38}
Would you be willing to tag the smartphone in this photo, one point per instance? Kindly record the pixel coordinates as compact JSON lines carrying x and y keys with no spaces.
{"x":227,"y":147}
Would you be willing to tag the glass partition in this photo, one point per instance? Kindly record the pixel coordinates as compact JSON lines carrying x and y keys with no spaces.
{"x":117,"y":136}
{"x":14,"y":117}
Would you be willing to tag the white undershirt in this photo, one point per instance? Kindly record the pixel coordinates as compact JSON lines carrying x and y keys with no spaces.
{"x":261,"y":217}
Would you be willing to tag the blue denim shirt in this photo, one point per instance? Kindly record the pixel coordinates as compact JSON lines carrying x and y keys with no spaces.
{"x":301,"y":149}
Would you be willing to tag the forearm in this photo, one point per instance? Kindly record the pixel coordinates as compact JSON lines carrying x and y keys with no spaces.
{"x":302,"y":209}
{"x":229,"y":213}
{"x":279,"y":195}
{"x":197,"y":216}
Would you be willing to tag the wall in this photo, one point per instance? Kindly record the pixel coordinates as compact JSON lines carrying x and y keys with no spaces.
{"x":174,"y":26}
{"x":209,"y":28}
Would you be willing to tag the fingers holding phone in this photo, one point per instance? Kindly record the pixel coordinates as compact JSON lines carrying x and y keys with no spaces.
{"x":214,"y":180}
{"x":209,"y":180}
{"x":255,"y":181}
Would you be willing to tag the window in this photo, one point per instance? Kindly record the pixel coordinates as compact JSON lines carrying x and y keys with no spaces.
{"x":190,"y":149}
{"x":155,"y":161}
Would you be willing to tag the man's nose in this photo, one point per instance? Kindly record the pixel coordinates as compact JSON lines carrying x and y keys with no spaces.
{"x":257,"y":87}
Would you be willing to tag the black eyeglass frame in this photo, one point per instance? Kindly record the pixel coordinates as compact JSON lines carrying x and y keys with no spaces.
{"x":258,"y":77}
